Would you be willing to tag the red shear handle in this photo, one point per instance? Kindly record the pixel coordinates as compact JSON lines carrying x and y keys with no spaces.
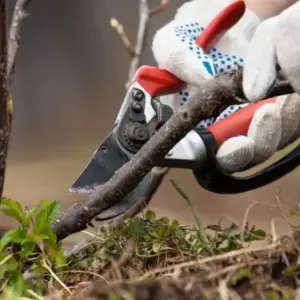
{"x":237,"y":123}
{"x":158,"y":82}
{"x":216,"y":29}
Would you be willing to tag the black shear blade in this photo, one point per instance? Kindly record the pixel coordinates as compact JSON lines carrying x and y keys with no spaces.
{"x":138,"y":198}
{"x":106,"y":160}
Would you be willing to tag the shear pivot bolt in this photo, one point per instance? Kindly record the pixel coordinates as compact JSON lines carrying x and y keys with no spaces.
{"x":137,"y":134}
{"x":138,"y":95}
{"x":136,"y":107}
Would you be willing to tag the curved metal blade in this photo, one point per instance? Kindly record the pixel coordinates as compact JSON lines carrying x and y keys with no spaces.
{"x":106,"y":160}
{"x":139,"y":198}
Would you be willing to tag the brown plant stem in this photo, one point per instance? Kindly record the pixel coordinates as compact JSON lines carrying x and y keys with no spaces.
{"x":4,"y":118}
{"x":8,"y":47}
{"x":215,"y":93}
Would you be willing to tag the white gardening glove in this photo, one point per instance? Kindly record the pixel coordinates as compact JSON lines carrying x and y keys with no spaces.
{"x":276,"y":43}
{"x":174,"y":45}
{"x":175,"y":49}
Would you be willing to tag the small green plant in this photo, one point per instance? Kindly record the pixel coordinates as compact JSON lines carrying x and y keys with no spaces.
{"x":141,"y":244}
{"x":149,"y":242}
{"x":32,"y":243}
{"x":223,"y":239}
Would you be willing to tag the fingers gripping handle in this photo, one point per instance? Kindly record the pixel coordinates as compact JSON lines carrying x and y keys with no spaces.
{"x":237,"y":123}
{"x":213,"y":178}
{"x":158,"y":82}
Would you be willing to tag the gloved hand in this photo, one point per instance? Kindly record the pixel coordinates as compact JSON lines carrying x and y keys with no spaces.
{"x":276,"y":42}
{"x":275,"y":45}
{"x":175,"y":49}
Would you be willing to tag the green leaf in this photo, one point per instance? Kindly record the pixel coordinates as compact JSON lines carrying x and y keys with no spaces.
{"x":200,"y":230}
{"x":150,"y":215}
{"x":216,"y":228}
{"x":10,"y":293}
{"x":47,"y":213}
{"x":156,"y":246}
{"x":7,"y":264}
{"x":287,"y":294}
{"x":239,"y":275}
{"x":14,"y":209}
{"x":165,"y":220}
{"x":16,"y":235}
{"x":39,"y":270}
{"x":272,"y":295}
{"x":259,"y":233}
{"x":175,"y":224}
{"x":28,"y":249}
{"x":49,"y":234}
{"x":18,"y":282}
{"x":294,"y":211}
{"x":291,"y":270}
{"x":60,"y":259}
{"x":162,"y":232}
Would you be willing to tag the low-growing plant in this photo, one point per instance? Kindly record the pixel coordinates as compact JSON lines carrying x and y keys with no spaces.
{"x":31,"y":243}
{"x":140,"y":244}
{"x":154,"y":242}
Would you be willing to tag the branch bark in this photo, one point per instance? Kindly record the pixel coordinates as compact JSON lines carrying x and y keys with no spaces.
{"x":217,"y":92}
{"x":4,"y":119}
{"x":19,"y":15}
{"x":8,"y":47}
{"x":145,"y":15}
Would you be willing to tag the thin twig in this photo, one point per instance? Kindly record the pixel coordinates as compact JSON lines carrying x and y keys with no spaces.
{"x":157,"y":175}
{"x":45,"y":265}
{"x":145,"y":14}
{"x":4,"y":118}
{"x":8,"y":48}
{"x":19,"y":15}
{"x":245,"y":220}
{"x":124,"y":38}
{"x":213,"y":94}
{"x":144,"y":18}
{"x":216,"y":258}
{"x":220,"y":91}
{"x":159,"y":8}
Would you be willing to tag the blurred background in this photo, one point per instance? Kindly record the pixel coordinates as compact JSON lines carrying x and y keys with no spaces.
{"x":68,"y":87}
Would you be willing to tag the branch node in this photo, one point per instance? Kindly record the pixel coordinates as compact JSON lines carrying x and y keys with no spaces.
{"x":115,"y":24}
{"x":159,"y":8}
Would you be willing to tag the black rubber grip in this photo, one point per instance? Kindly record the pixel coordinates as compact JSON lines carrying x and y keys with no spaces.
{"x":213,"y":178}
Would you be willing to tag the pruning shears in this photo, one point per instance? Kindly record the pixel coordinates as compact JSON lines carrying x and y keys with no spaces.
{"x":142,"y":114}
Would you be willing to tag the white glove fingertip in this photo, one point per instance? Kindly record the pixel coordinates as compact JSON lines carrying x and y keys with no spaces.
{"x":175,"y":50}
{"x":199,"y":10}
{"x":235,"y":153}
{"x":259,"y":72}
{"x":289,"y":108}
{"x":288,"y":44}
{"x":265,"y":131}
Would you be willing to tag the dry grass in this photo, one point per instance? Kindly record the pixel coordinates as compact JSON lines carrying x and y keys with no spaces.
{"x":127,"y":263}
{"x":265,"y":272}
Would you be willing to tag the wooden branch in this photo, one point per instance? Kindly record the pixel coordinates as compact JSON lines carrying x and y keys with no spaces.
{"x":159,"y":8}
{"x":215,"y":93}
{"x":114,"y":23}
{"x":4,"y":119}
{"x":145,"y":14}
{"x":8,"y":48}
{"x":14,"y":36}
{"x":144,"y":17}
{"x":157,"y":174}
